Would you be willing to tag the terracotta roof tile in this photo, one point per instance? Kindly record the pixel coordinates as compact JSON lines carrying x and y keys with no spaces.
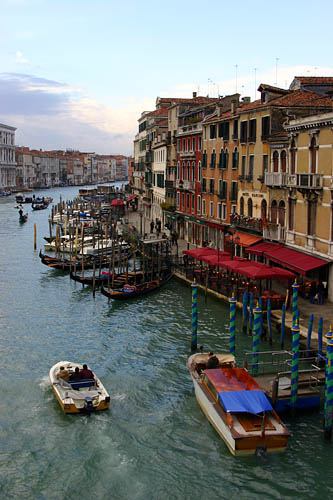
{"x":315,"y":80}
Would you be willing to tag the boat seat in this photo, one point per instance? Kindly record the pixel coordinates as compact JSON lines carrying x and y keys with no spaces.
{"x":78,"y":384}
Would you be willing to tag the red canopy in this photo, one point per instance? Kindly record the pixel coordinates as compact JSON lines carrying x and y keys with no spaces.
{"x":132,"y":197}
{"x":256,"y":270}
{"x":198,"y":253}
{"x":117,"y":203}
{"x":292,"y":259}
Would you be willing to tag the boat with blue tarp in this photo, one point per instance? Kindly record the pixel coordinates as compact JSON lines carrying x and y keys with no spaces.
{"x":236,"y":405}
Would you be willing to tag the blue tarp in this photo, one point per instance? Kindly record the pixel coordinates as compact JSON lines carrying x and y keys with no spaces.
{"x":245,"y":401}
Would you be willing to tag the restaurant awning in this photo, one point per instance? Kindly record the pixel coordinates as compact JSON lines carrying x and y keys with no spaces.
{"x":256,"y":270}
{"x":198,"y":253}
{"x":245,"y":240}
{"x":132,"y":197}
{"x":117,"y":203}
{"x":294,"y":260}
{"x":261,"y":248}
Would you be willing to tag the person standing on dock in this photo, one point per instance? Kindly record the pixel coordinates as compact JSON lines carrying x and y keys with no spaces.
{"x":152,"y":225}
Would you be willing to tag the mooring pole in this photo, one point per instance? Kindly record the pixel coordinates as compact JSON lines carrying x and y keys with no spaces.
{"x":294,"y":368}
{"x":244,"y":317}
{"x":269,"y":321}
{"x":35,"y":236}
{"x":283,"y":324}
{"x":320,"y":336}
{"x":251,"y":313}
{"x":255,"y":341}
{"x":194,"y":342}
{"x":329,"y":387}
{"x":232,"y":324}
{"x":308,"y":344}
{"x":295,"y":302}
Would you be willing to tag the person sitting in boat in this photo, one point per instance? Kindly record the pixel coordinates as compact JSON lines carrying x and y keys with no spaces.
{"x":21,"y":212}
{"x":86,"y":373}
{"x":63,"y":374}
{"x":213,"y":361}
{"x":76,"y":376}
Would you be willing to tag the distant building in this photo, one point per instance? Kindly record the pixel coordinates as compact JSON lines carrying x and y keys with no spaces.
{"x":7,"y":157}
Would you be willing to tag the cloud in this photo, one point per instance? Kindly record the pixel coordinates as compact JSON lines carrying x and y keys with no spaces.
{"x":20,"y":59}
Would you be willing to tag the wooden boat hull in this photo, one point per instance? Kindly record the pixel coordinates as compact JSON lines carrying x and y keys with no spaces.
{"x":98,"y":394}
{"x":142,"y":290}
{"x":67,"y":265}
{"x":238,"y":439}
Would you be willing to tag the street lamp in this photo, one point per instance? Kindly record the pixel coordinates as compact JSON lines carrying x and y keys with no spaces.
{"x":234,"y":239}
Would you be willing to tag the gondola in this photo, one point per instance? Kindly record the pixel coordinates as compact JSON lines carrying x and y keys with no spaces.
{"x":119,"y":280}
{"x":39,"y":206}
{"x":68,"y":264}
{"x":132,"y":291}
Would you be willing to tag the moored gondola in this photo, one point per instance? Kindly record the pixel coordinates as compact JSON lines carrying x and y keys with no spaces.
{"x":132,"y":291}
{"x":68,"y":264}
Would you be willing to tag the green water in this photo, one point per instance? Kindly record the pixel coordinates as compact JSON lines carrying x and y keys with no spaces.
{"x":154,"y":442}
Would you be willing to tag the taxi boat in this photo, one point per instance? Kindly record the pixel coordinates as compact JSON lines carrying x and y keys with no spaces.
{"x":236,"y":406}
{"x":83,"y":396}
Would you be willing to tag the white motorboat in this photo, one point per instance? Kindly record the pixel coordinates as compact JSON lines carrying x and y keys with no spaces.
{"x":78,"y":396}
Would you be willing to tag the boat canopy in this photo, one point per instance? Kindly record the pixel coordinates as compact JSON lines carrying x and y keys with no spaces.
{"x":245,"y":401}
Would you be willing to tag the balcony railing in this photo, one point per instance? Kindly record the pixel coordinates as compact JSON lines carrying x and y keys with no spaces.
{"x":276,"y":179}
{"x":274,"y":232}
{"x":186,"y":154}
{"x":186,"y":185}
{"x":305,"y":181}
{"x":252,"y":223}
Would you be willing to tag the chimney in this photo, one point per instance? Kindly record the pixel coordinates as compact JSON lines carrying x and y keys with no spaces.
{"x":246,"y":100}
{"x":194,"y":95}
{"x":233,"y":106}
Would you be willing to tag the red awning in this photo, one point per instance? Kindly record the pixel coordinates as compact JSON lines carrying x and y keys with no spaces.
{"x":117,"y":203}
{"x":198,"y":253}
{"x":245,"y":240}
{"x":217,"y":258}
{"x":294,"y":260}
{"x":132,"y":197}
{"x":262,"y":247}
{"x":256,"y":270}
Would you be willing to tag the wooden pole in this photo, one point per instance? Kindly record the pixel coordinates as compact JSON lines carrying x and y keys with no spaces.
{"x":35,"y":236}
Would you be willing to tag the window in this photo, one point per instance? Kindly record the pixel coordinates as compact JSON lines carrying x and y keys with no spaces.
{"x":177,"y":200}
{"x":204,"y":159}
{"x":293,"y":157}
{"x":311,"y":226}
{"x":192,"y":203}
{"x":243,"y":132}
{"x":211,"y":186}
{"x":265,"y":126}
{"x":184,"y":145}
{"x":219,"y":211}
{"x":188,"y":202}
{"x":199,"y":143}
{"x":199,"y":205}
{"x":233,"y":209}
{"x":212,"y":132}
{"x":193,"y":171}
{"x":249,"y":207}
{"x":235,"y":159}
{"x":274,"y":212}
{"x":243,"y":166}
{"x":213,"y":159}
{"x":283,"y":158}
{"x":264,"y":164}
{"x":233,"y":193}
{"x":223,"y":159}
{"x":252,"y":130}
{"x":291,"y":213}
{"x":281,"y":213}
{"x":264,"y":209}
{"x":183,"y":203}
{"x":224,"y":130}
{"x":178,"y":168}
{"x":211,"y":209}
{"x":241,"y":206}
{"x":203,"y":207}
{"x":235,"y":130}
{"x":193,"y":143}
{"x":183,"y":169}
{"x":313,"y":157}
{"x":223,"y":185}
{"x":203,"y":185}
{"x":189,"y":144}
{"x":178,"y":145}
{"x":199,"y":171}
{"x":251,"y":168}
{"x":224,"y":211}
{"x":275,"y":161}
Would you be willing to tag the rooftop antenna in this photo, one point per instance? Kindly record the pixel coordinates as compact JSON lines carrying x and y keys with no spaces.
{"x":255,"y":83}
{"x":236,"y":67}
{"x":276,"y":68}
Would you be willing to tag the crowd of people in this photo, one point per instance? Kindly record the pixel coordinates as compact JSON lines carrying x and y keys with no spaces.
{"x":172,"y":235}
{"x":317,"y":292}
{"x":79,"y":374}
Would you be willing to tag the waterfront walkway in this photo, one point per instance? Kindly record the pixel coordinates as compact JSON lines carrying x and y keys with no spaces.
{"x":305,"y":307}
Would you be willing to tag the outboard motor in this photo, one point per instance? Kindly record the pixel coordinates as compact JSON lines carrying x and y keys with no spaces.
{"x":88,"y":404}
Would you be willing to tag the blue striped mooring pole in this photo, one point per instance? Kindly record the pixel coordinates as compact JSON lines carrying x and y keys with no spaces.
{"x":244,"y":317}
{"x":294,"y":367}
{"x":308,"y":344}
{"x":269,"y":320}
{"x":232,"y":324}
{"x":329,"y":387}
{"x":255,"y":340}
{"x":251,"y":313}
{"x":283,"y":324}
{"x":320,"y":336}
{"x":261,"y":319}
{"x":328,"y":336}
{"x":194,"y":341}
{"x":295,"y":302}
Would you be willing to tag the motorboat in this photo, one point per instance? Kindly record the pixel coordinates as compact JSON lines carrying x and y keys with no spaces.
{"x":236,"y":406}
{"x":82,"y":396}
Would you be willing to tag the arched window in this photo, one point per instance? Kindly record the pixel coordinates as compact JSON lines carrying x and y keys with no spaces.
{"x":275,"y":161}
{"x":264,"y":209}
{"x":293,"y":157}
{"x":199,"y":171}
{"x":281,"y":213}
{"x":183,"y":168}
{"x":193,"y":170}
{"x":241,"y":206}
{"x":249,"y":207}
{"x":274,"y":212}
{"x":313,"y":156}
{"x":283,"y":159}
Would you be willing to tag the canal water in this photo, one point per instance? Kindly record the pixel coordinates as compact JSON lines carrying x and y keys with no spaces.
{"x":154,"y":442}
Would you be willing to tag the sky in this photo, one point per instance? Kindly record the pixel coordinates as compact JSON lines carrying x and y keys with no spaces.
{"x":78,"y":74}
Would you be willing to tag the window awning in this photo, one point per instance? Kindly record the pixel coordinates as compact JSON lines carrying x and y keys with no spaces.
{"x":294,"y":260}
{"x":261,"y":248}
{"x":245,"y":240}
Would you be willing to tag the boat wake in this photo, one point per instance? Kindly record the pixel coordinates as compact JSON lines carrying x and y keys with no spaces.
{"x":44,"y":384}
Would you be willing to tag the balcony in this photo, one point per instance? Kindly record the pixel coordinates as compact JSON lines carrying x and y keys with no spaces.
{"x":274,"y":232}
{"x":253,"y":224}
{"x":222,"y":195}
{"x":169,"y":184}
{"x":186,"y":154}
{"x":276,"y":179}
{"x":185,"y":185}
{"x":305,"y":181}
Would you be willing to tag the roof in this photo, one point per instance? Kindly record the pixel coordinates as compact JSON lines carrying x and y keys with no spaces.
{"x":271,"y":88}
{"x":231,"y":379}
{"x":315,"y":80}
